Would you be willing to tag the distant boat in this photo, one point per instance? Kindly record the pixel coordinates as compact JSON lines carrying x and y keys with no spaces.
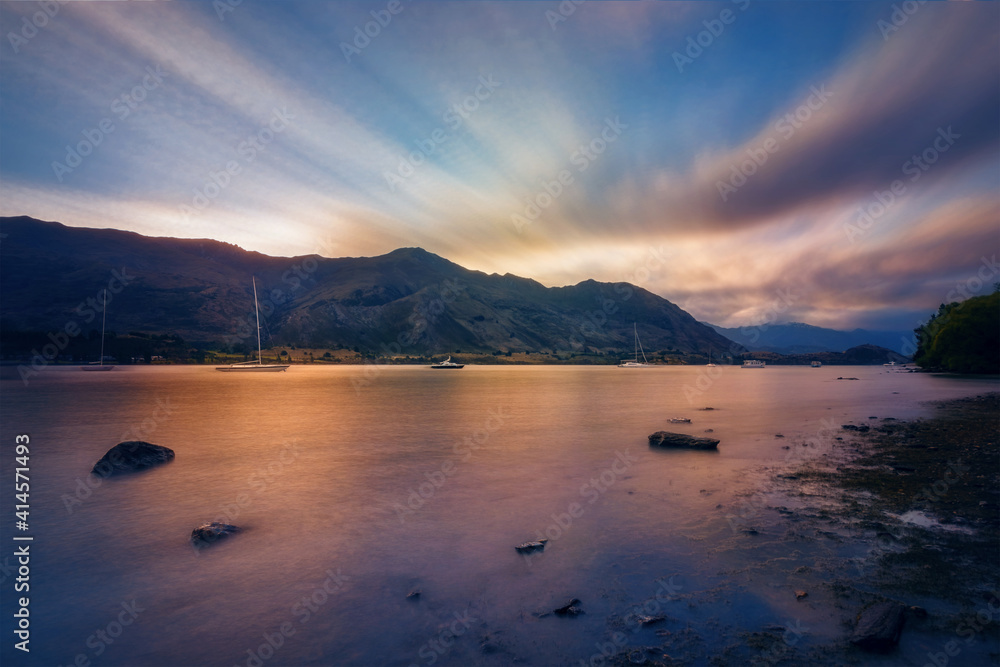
{"x":448,"y":363}
{"x":816,"y":364}
{"x":710,"y":359}
{"x":891,"y":363}
{"x":679,"y":420}
{"x":638,"y":348}
{"x":753,"y":363}
{"x":99,"y":365}
{"x":254,"y":366}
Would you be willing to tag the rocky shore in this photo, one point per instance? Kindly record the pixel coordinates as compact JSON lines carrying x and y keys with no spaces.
{"x":922,"y":501}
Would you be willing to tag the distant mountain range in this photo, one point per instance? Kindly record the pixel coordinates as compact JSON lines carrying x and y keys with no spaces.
{"x":409,"y":301}
{"x":798,"y":338}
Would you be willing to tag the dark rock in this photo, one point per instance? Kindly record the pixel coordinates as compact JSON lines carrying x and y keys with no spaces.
{"x":528,"y":547}
{"x":879,"y":626}
{"x":709,"y":430}
{"x":131,"y":456}
{"x":210,"y":533}
{"x":864,"y":428}
{"x":917,"y":612}
{"x":666,"y":439}
{"x":414,"y":594}
{"x":571,"y":608}
{"x":706,"y":408}
{"x":778,"y":435}
{"x":644,"y":620}
{"x":800,"y":595}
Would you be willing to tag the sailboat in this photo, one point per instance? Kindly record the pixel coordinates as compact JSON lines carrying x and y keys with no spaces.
{"x":710,"y":358}
{"x":254,"y":366}
{"x":99,"y":365}
{"x":638,"y":348}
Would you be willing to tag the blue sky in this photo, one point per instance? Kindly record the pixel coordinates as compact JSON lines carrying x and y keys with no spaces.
{"x":722,"y":155}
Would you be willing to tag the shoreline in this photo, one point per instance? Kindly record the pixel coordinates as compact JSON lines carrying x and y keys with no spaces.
{"x":919,"y":503}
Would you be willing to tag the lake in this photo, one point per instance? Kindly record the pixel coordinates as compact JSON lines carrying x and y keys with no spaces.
{"x":381,"y":507}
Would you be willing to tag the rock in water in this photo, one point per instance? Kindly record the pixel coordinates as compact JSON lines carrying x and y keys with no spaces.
{"x":131,"y":456}
{"x":879,"y":626}
{"x":571,"y":608}
{"x":209,"y":533}
{"x":528,"y":547}
{"x":666,"y":439}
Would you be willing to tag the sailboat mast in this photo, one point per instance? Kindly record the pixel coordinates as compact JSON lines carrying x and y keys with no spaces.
{"x":104,"y":320}
{"x":256,"y":310}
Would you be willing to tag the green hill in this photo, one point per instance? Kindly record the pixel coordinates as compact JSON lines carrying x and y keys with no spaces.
{"x":962,"y":337}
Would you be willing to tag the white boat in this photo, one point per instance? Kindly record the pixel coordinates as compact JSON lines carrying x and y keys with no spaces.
{"x":710,"y":359}
{"x":638,"y":348}
{"x":448,"y":363}
{"x":99,"y":365}
{"x":679,"y":420}
{"x":817,"y":364}
{"x":254,"y":366}
{"x":753,"y":363}
{"x":891,"y":363}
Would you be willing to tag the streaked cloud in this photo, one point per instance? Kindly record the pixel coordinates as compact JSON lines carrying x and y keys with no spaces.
{"x":395,"y":148}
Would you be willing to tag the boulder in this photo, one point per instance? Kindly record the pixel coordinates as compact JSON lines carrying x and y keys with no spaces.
{"x":571,"y":608}
{"x":879,"y":626}
{"x":210,"y":533}
{"x":131,"y":456}
{"x":528,"y":547}
{"x":666,"y":439}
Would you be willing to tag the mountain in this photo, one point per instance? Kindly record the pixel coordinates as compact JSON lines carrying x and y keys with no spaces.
{"x":799,"y":338}
{"x":861,"y":355}
{"x":408,"y":301}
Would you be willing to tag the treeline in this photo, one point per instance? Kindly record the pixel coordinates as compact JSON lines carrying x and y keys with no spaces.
{"x":962,"y":337}
{"x":133,"y":347}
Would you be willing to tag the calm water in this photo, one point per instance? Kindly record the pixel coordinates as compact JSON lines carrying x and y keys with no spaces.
{"x":356,"y":488}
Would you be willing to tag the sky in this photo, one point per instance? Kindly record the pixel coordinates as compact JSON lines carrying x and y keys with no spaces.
{"x":753,"y":162}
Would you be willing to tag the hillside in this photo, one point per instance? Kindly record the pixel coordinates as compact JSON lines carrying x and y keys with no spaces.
{"x":799,"y":338}
{"x":408,"y":301}
{"x":962,"y":337}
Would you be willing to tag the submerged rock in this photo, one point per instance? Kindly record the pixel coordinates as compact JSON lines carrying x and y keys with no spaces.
{"x":666,"y":439}
{"x":209,"y":533}
{"x":571,"y":608}
{"x":131,"y":456}
{"x":879,"y":626}
{"x":528,"y":547}
{"x":864,"y":428}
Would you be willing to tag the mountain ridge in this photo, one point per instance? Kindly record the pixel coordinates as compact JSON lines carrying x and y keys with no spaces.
{"x":406,"y":301}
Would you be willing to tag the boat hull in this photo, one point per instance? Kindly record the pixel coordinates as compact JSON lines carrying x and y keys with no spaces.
{"x":450,"y":367}
{"x":96,"y":368}
{"x":251,"y":369}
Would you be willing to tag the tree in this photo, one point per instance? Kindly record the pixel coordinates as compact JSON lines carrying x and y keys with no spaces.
{"x":962,"y":337}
